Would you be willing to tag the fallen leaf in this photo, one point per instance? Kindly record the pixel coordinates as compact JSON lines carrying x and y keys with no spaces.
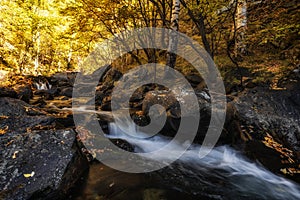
{"x":29,"y":175}
{"x":283,"y":171}
{"x":112,"y":184}
{"x":15,"y":155}
{"x":4,"y":117}
{"x":3,"y":131}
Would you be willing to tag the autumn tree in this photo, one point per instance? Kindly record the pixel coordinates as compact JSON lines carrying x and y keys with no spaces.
{"x":31,"y":36}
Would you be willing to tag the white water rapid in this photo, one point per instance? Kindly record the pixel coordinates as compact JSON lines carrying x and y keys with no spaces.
{"x":242,"y":178}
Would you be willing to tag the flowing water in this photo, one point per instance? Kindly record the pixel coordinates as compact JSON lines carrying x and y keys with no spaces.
{"x":223,"y":174}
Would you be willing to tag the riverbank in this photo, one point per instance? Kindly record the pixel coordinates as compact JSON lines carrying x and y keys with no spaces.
{"x":43,"y":156}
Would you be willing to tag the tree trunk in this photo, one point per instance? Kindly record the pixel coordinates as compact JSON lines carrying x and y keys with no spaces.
{"x":173,"y":37}
{"x":200,"y":25}
{"x":241,"y":27}
{"x":36,"y":61}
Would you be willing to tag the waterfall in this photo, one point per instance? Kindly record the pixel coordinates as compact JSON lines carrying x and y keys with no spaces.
{"x":43,"y":85}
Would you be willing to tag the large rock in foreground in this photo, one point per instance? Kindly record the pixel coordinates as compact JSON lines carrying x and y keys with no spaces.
{"x":36,"y":160}
{"x":40,"y":164}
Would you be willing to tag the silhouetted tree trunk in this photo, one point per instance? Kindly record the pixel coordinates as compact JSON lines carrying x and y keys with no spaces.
{"x":200,"y":25}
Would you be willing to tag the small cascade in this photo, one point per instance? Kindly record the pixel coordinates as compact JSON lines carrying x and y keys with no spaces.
{"x":40,"y":85}
{"x":242,"y":177}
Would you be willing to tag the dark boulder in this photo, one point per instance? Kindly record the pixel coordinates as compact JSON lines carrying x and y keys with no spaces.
{"x":106,"y":103}
{"x":12,"y":107}
{"x":269,"y":122}
{"x":112,"y":75}
{"x":66,"y":91}
{"x":7,"y":92}
{"x":39,"y":164}
{"x":63,"y":79}
{"x":24,"y":92}
{"x":166,"y":99}
{"x":194,"y":79}
{"x":271,"y":111}
{"x":18,"y":116}
{"x":47,"y":94}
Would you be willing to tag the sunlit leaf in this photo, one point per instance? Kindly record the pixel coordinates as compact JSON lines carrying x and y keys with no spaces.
{"x":3,"y":131}
{"x":29,"y":175}
{"x":15,"y":155}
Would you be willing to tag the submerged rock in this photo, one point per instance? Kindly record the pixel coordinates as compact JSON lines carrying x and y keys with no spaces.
{"x":39,"y":164}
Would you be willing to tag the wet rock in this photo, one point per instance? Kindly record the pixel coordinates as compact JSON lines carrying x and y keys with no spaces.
{"x":65,"y":122}
{"x":123,"y":144}
{"x":45,"y":94}
{"x":19,"y":116}
{"x":99,"y":96}
{"x":295,"y":97}
{"x":173,"y":110}
{"x":271,"y":111}
{"x":112,"y":75}
{"x":10,"y":107}
{"x":106,"y":87}
{"x":39,"y":164}
{"x":106,"y":104}
{"x":66,"y":91}
{"x":100,"y":72}
{"x":256,"y":150}
{"x":63,"y":79}
{"x":94,"y":145}
{"x":27,"y":123}
{"x":40,"y":102}
{"x":7,"y":92}
{"x":194,"y":79}
{"x":63,"y":98}
{"x":24,"y":92}
{"x":201,"y":86}
{"x":269,"y":122}
{"x":139,"y":94}
{"x":164,"y":98}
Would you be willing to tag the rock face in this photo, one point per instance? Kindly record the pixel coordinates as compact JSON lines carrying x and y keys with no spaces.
{"x":18,"y":116}
{"x":37,"y":161}
{"x":270,"y":126}
{"x":271,"y":111}
{"x":24,"y":92}
{"x":39,"y":164}
{"x":7,"y":92}
{"x":167,"y":99}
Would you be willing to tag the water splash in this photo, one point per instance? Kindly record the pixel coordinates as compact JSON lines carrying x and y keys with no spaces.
{"x":43,"y":85}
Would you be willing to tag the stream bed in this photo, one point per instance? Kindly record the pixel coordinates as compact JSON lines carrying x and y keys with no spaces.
{"x":223,"y":174}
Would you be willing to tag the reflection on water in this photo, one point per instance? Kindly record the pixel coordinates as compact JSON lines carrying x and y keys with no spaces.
{"x":106,"y":183}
